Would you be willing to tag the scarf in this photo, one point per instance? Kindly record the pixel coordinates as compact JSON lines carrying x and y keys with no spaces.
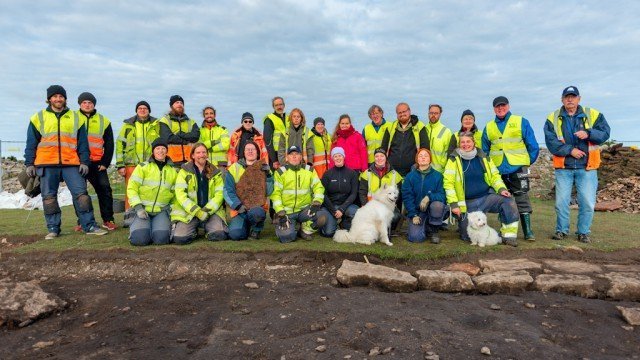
{"x":467,"y":155}
{"x":346,"y":133}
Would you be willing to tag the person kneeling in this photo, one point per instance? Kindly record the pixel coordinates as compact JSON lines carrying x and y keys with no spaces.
{"x":341,"y":190}
{"x":247,"y":185}
{"x":297,"y":196}
{"x":150,"y":191}
{"x":423,"y":197}
{"x":199,"y":199}
{"x":471,"y":182}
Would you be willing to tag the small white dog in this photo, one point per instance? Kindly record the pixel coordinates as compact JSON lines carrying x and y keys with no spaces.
{"x":372,"y":221}
{"x":480,"y":232}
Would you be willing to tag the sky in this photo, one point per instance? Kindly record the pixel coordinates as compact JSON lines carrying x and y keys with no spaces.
{"x":324,"y":57}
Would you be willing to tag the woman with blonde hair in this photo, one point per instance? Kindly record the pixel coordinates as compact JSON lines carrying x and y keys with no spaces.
{"x":296,"y":134}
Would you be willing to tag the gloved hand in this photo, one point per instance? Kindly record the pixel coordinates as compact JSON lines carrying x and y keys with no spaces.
{"x":83,"y":169}
{"x":313,"y":209}
{"x":202,"y":215}
{"x":242,"y":209}
{"x":416,"y":220}
{"x":424,"y":203}
{"x":283,"y":220}
{"x":31,"y":171}
{"x":141,"y":212}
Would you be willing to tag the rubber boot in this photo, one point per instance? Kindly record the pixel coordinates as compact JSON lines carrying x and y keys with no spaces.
{"x":525,"y":220}
{"x":435,"y":238}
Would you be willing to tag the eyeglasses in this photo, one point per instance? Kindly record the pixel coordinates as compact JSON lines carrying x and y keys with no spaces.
{"x":247,"y":121}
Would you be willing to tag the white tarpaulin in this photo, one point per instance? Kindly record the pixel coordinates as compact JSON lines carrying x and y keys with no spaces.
{"x":21,"y":201}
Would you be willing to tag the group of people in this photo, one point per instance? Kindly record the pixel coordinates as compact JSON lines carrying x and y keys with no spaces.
{"x":182,"y":178}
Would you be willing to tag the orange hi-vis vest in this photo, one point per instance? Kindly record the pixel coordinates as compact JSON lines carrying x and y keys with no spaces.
{"x":59,"y":138}
{"x":593,"y":160}
{"x":96,"y":125}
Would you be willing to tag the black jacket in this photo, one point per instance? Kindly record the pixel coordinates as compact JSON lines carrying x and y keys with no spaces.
{"x":340,"y":188}
{"x":402,"y":149}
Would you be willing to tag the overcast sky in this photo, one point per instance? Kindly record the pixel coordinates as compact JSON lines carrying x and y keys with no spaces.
{"x":325,"y":57}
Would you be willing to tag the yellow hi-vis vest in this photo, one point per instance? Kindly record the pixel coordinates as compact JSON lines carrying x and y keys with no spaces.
{"x":593,"y":161}
{"x":96,"y":126}
{"x":439,"y":139}
{"x":321,"y":152}
{"x":133,"y":145}
{"x":279,"y":128}
{"x":509,"y":143}
{"x":294,"y":190}
{"x":373,"y":138}
{"x":217,"y":142}
{"x":415,"y":129}
{"x":152,"y":187}
{"x":185,"y":203}
{"x":391,"y":178}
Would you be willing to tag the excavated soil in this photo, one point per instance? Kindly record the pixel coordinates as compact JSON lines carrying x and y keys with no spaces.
{"x":143,"y":306}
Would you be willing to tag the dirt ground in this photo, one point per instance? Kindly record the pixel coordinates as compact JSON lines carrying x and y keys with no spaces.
{"x":144,"y":305}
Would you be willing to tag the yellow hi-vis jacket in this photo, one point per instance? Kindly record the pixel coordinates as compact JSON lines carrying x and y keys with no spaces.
{"x":439,"y":139}
{"x":217,"y":140}
{"x":294,"y":189}
{"x":152,"y":187}
{"x":185,"y":204}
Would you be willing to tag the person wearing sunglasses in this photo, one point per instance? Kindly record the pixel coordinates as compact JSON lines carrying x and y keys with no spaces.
{"x":241,"y":136}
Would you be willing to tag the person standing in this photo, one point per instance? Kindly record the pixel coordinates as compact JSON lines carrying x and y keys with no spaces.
{"x":151,"y":190}
{"x":275,"y":125}
{"x":424,"y":199}
{"x":247,"y":186}
{"x":403,"y":138}
{"x":241,"y":136}
{"x":373,"y":132}
{"x":340,"y":193}
{"x":467,"y":124}
{"x":346,"y":137}
{"x":215,"y":137}
{"x":100,"y":137}
{"x":57,"y":149}
{"x":199,"y":199}
{"x":133,"y":145}
{"x":296,"y":135}
{"x":510,"y":142}
{"x":296,"y":198}
{"x":439,"y":138}
{"x":472,"y":183}
{"x":321,"y":142}
{"x":178,"y":131}
{"x":572,"y":135}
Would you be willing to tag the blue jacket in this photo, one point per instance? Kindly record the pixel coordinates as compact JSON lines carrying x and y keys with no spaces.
{"x":528,"y":137}
{"x":598,"y":134}
{"x":34,"y":136}
{"x":417,"y":185}
{"x":229,"y":190}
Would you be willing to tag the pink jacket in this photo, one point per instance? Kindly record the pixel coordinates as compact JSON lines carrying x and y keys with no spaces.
{"x":355,"y":150}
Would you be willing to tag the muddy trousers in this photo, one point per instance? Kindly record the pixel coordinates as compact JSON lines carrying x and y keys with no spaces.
{"x":215,"y":229}
{"x":50,"y":178}
{"x":154,"y":230}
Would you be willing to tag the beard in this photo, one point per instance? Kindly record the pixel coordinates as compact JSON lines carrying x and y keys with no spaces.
{"x":177,"y":111}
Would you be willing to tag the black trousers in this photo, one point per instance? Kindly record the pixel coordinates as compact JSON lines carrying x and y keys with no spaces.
{"x":100,"y":182}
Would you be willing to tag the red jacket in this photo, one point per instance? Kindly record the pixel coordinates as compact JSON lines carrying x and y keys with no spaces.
{"x":355,"y":151}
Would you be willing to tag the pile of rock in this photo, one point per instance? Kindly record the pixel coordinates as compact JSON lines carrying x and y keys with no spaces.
{"x":10,"y":171}
{"x":618,"y":162}
{"x":542,"y":178}
{"x":620,"y":195}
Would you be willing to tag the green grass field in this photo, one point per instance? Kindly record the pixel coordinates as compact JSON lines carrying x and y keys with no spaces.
{"x":611,"y":231}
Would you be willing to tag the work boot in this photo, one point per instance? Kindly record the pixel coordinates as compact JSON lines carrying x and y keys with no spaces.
{"x":50,"y":236}
{"x":511,"y":241}
{"x":435,"y":238}
{"x":559,"y":235}
{"x":255,"y":235}
{"x":584,"y":238}
{"x":525,"y":220}
{"x":305,"y":236}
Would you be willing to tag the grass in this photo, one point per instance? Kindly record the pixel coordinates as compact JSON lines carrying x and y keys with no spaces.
{"x":611,"y":231}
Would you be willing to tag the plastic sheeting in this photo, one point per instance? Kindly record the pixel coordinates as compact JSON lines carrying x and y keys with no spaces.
{"x":21,"y":201}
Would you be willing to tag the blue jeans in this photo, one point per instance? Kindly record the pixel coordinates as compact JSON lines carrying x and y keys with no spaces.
{"x":430,"y":221}
{"x":50,"y":177}
{"x":586,"y":182}
{"x":505,"y":207}
{"x":154,"y":230}
{"x":289,"y":234}
{"x":241,"y":224}
{"x":330,"y":227}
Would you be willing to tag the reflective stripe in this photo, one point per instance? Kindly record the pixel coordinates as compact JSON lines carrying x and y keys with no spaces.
{"x":296,"y":191}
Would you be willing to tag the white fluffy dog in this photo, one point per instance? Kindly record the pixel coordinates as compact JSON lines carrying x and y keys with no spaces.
{"x":480,"y":232}
{"x":372,"y":221}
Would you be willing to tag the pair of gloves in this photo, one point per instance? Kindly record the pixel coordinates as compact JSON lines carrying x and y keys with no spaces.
{"x":82,"y":169}
{"x":283,"y":219}
{"x":424,"y":204}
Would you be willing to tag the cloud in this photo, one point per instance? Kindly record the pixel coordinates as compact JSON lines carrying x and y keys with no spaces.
{"x":326,"y":57}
